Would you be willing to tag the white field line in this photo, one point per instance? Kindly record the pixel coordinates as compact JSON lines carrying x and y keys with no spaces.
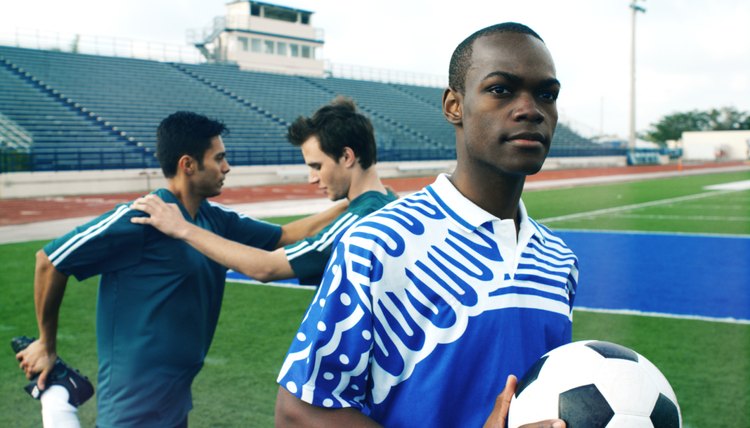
{"x":737,"y":185}
{"x":595,"y":213}
{"x":583,"y":181}
{"x":272,"y":284}
{"x":744,"y":219}
{"x":727,"y":320}
{"x":734,"y":207}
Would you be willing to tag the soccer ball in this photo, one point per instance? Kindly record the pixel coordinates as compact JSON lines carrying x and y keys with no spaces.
{"x":595,"y":384}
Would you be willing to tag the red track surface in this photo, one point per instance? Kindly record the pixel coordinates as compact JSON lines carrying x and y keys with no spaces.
{"x":20,"y":211}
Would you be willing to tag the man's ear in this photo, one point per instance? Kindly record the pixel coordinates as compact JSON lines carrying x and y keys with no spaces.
{"x":348,"y":157}
{"x":452,"y":106}
{"x":187,"y":165}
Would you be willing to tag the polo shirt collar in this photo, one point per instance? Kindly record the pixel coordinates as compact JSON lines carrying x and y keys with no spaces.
{"x":467,"y":214}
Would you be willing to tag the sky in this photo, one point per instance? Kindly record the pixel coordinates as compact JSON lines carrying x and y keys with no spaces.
{"x":690,"y":54}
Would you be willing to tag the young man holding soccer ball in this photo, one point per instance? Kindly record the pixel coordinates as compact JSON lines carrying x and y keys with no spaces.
{"x":429,"y":306}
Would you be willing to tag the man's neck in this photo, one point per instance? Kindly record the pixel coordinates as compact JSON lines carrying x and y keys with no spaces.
{"x":497,"y":195}
{"x":365,"y":181}
{"x":187,"y":198}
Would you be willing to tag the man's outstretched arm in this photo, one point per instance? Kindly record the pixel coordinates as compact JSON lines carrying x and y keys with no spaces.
{"x":254,"y":262}
{"x":305,"y":227}
{"x":49,"y":288}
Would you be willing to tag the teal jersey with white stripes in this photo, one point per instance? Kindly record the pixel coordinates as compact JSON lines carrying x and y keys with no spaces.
{"x":308,"y":257}
{"x":158,"y":305}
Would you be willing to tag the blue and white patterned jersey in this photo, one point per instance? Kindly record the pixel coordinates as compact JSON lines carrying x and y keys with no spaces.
{"x":425,"y":308}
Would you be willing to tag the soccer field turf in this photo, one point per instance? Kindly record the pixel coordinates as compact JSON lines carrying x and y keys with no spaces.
{"x":707,"y":362}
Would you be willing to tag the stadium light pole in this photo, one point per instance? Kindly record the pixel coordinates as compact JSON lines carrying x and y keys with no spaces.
{"x":631,"y":139}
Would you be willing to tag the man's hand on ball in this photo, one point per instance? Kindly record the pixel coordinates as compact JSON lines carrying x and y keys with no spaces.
{"x":499,"y":414}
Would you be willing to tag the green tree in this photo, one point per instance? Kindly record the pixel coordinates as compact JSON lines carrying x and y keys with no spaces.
{"x":672,"y":126}
{"x":728,"y":119}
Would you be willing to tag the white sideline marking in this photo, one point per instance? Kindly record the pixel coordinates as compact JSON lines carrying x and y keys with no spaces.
{"x":686,"y":218}
{"x":596,"y":213}
{"x":272,"y":284}
{"x":737,"y":185}
{"x":727,"y":320}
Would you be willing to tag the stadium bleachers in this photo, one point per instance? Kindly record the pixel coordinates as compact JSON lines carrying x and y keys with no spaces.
{"x":88,"y":111}
{"x":13,"y":136}
{"x":55,"y":128}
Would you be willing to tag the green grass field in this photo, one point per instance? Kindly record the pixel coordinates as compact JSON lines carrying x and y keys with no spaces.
{"x":707,"y":363}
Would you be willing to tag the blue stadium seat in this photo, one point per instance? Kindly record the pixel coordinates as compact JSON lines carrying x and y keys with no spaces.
{"x":77,"y":105}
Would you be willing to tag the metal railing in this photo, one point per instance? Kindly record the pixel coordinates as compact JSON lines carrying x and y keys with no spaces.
{"x":99,"y":45}
{"x":91,"y":159}
{"x":155,"y":51}
{"x":356,"y":72}
{"x":13,"y":136}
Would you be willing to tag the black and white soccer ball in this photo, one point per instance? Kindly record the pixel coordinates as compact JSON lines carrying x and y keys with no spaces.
{"x":592,"y":384}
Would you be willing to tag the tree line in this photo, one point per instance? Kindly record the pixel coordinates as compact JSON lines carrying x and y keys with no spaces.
{"x":672,"y":126}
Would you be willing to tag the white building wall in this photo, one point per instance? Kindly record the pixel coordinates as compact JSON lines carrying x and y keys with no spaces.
{"x":241,"y":52}
{"x":295,"y":48}
{"x":716,"y":145}
{"x":292,"y":29}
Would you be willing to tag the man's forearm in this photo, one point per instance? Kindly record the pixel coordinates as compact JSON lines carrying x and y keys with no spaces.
{"x":253,"y":262}
{"x":308,"y":226}
{"x":49,"y":289}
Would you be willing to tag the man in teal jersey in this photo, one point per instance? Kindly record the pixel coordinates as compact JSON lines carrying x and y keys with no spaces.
{"x":338,"y":145}
{"x":159,"y":299}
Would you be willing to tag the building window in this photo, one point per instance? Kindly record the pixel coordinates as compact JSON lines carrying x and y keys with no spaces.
{"x":268,"y":44}
{"x":254,"y":9}
{"x":281,"y":48}
{"x":306,"y":51}
{"x":243,"y":43}
{"x":255,"y":45}
{"x":279,"y":14}
{"x":294,"y":49}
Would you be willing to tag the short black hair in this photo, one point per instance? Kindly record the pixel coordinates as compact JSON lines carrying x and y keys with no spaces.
{"x":185,"y":133}
{"x":461,"y":58}
{"x":338,"y":125}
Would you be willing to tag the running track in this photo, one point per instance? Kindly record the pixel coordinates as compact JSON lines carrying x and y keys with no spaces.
{"x":22,"y":211}
{"x":612,"y":277}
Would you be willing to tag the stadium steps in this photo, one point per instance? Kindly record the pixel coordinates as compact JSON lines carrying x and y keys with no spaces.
{"x":54,"y":123}
{"x":14,"y":136}
{"x":428,"y":95}
{"x":228,"y":92}
{"x":285,"y":96}
{"x":364,"y":97}
{"x":122,"y":101}
{"x":134,"y":95}
{"x":267,"y":146}
{"x":94,"y":119}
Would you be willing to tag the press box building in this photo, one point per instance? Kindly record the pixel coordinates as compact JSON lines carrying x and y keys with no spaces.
{"x":263,"y":37}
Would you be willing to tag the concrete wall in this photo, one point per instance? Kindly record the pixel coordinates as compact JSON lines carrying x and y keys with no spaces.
{"x":716,"y":145}
{"x":65,"y":183}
